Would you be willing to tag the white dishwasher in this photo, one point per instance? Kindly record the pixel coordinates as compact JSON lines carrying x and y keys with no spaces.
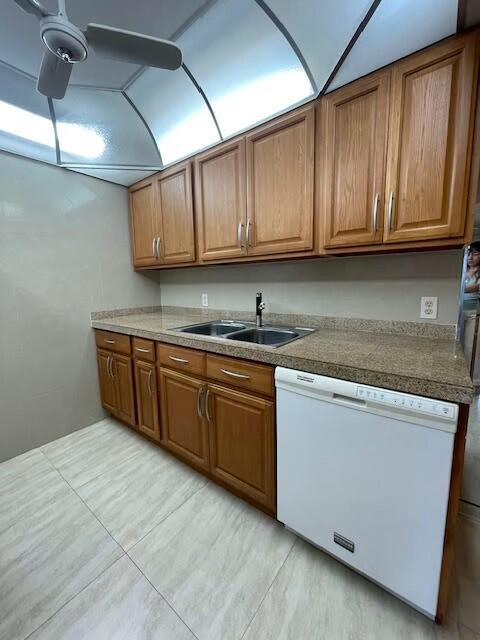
{"x":364,"y":473}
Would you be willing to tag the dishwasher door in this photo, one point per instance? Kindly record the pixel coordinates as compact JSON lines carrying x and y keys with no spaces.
{"x":368,"y":487}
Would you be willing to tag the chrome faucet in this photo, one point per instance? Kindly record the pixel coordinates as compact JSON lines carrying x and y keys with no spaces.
{"x":260,"y":306}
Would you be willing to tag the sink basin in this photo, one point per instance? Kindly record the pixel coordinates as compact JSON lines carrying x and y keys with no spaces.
{"x":212,"y":328}
{"x":264,"y":335}
{"x":247,"y":332}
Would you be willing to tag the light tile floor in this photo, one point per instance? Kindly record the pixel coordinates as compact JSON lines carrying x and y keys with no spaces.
{"x":104,"y":536}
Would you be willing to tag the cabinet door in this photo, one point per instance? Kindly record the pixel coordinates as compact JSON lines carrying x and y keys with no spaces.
{"x":280,"y":170}
{"x":242,"y":443}
{"x":124,"y":389}
{"x":221,"y":201}
{"x":143,"y":222}
{"x":429,"y":142}
{"x":352,"y":148}
{"x":175,"y":206}
{"x":106,"y":380}
{"x":184,"y":431}
{"x":147,"y":398}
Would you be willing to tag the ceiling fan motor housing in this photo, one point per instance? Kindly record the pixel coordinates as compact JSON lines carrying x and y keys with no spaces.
{"x":63,"y":39}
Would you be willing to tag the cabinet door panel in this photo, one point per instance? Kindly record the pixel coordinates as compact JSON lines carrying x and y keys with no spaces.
{"x":183,"y":429}
{"x":107,"y":382}
{"x":242,"y":443}
{"x":143,"y":219}
{"x":429,"y":140}
{"x":147,"y":398}
{"x":175,"y":203}
{"x":352,"y":147}
{"x":221,"y":201}
{"x":280,"y":172}
{"x":124,"y":389}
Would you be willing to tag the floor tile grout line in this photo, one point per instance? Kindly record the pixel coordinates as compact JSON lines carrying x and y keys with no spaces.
{"x":162,"y":596}
{"x":163,"y":519}
{"x":268,"y":590}
{"x":74,"y":596}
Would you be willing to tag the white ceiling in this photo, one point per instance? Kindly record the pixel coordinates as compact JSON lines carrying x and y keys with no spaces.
{"x":246,"y":60}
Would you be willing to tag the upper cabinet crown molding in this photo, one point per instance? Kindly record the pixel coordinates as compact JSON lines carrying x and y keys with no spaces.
{"x":280,"y":184}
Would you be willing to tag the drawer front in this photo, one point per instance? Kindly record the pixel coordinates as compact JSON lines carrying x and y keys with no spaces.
{"x":240,"y":373}
{"x":118,"y":342}
{"x":144,"y":349}
{"x":181,"y":358}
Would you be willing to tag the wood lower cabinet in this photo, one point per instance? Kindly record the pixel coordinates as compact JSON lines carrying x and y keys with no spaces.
{"x":352,"y":147}
{"x":241,"y":430}
{"x":184,"y":429}
{"x":430,"y":129}
{"x":116,"y":385}
{"x":147,"y":398}
{"x":280,"y":185}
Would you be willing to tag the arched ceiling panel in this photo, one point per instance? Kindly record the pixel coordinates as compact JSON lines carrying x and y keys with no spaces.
{"x":175,"y":112}
{"x":321,"y":30}
{"x":244,"y":64}
{"x":25,"y":124}
{"x":101,"y":128}
{"x":395,"y":30}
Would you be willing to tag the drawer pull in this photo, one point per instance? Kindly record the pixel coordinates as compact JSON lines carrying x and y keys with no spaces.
{"x":182,"y":360}
{"x":109,"y":341}
{"x":142,"y":350}
{"x":235,"y":375}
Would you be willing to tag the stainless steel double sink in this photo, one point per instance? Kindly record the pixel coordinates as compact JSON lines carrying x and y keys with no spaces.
{"x":247,"y":332}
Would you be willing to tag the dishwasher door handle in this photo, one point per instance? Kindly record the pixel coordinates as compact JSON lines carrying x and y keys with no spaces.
{"x":354,"y":402}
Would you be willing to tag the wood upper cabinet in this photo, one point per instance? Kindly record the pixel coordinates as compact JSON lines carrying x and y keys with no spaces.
{"x":430,"y":128}
{"x":184,"y":430}
{"x":220,"y":200}
{"x":147,"y":398}
{"x":352,"y":145}
{"x":143,"y":223}
{"x":174,"y":203}
{"x":280,"y":176}
{"x":241,"y":430}
{"x":116,"y":385}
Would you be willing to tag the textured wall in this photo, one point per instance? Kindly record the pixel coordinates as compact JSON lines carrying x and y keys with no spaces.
{"x":64,"y":252}
{"x":376,"y":287}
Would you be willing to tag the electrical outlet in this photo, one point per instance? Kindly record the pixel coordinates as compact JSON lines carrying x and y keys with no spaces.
{"x":204,"y":299}
{"x":429,"y":307}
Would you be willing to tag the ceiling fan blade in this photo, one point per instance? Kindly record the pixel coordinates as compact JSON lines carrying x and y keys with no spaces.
{"x":54,"y":76}
{"x":33,"y":7}
{"x":119,"y":44}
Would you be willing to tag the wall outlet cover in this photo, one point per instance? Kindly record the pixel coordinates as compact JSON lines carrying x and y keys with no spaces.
{"x":204,"y":299}
{"x":429,"y":307}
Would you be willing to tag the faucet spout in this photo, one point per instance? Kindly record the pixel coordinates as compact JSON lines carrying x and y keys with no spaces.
{"x":260,"y":306}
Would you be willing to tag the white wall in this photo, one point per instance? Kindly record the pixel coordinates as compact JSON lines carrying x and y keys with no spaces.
{"x":375,"y":287}
{"x":64,"y":252}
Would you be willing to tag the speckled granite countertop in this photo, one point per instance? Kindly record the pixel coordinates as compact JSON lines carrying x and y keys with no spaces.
{"x":428,"y":366}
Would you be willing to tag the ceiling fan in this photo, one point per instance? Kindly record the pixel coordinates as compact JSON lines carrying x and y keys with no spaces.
{"x":67,"y":45}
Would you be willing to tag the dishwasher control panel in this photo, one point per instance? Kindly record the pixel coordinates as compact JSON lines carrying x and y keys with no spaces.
{"x":444,"y":410}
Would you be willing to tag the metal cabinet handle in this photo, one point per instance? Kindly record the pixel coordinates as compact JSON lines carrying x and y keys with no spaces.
{"x":199,"y":401}
{"x":240,"y":234}
{"x":247,"y":235}
{"x":154,"y":248}
{"x":109,"y":341}
{"x":207,"y":410}
{"x":142,"y":350}
{"x":374,"y":212}
{"x":109,"y":374}
{"x":390,"y":211}
{"x":235,"y":375}
{"x":111,"y":366}
{"x":149,"y":382}
{"x":178,"y":359}
{"x":159,"y":255}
